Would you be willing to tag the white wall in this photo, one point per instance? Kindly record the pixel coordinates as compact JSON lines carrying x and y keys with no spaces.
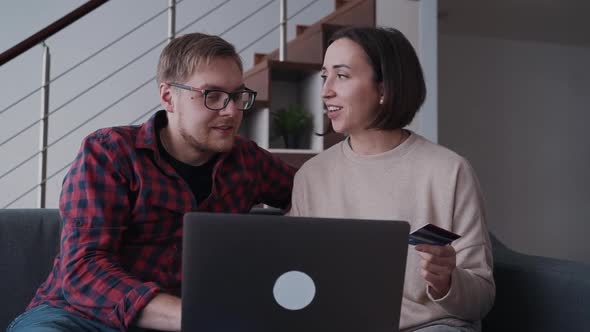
{"x":519,"y":111}
{"x":417,"y":20}
{"x":22,"y":18}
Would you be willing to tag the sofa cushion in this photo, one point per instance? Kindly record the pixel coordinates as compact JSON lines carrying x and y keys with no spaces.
{"x":29,"y":241}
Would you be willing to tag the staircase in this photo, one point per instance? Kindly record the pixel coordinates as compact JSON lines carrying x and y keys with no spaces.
{"x":279,"y":84}
{"x":278,"y":81}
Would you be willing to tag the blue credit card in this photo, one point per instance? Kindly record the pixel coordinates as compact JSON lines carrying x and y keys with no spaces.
{"x":431,"y":234}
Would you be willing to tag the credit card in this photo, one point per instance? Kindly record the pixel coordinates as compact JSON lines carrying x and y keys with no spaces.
{"x":431,"y":234}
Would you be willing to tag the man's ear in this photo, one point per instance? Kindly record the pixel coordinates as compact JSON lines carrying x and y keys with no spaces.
{"x":166,"y":97}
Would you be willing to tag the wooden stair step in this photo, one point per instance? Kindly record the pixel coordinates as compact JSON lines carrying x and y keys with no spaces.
{"x":300,"y":29}
{"x":341,"y":3}
{"x":259,"y":77}
{"x":307,"y":49}
{"x":259,"y":57}
{"x":309,"y":46}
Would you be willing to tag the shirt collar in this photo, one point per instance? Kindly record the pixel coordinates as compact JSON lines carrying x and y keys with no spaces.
{"x":146,"y":137}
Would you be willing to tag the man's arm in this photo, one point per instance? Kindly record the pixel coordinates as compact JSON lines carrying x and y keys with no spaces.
{"x":162,"y":313}
{"x":275,"y":179}
{"x":95,"y":209}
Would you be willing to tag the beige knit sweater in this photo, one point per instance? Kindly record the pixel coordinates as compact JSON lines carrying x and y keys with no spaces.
{"x":418,"y":182}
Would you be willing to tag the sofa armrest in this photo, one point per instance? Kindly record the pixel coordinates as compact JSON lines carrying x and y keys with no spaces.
{"x":536,"y":293}
{"x":29,"y":241}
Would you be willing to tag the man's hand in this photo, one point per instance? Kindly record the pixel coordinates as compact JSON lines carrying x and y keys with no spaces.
{"x":162,"y":313}
{"x":438,"y":264}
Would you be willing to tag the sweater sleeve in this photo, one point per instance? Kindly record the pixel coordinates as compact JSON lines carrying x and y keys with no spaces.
{"x":298,"y":206}
{"x":473,"y":289}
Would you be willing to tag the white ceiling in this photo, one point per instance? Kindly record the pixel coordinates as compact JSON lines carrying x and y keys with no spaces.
{"x":553,"y":21}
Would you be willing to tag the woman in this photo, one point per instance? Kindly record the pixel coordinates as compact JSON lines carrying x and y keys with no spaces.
{"x":373,"y":86}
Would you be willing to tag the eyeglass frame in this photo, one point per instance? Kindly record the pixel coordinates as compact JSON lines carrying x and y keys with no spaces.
{"x":207,"y":91}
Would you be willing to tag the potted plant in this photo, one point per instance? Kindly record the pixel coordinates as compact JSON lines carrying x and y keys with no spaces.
{"x":291,"y":123}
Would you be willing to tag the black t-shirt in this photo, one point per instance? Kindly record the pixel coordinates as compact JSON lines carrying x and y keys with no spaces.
{"x":198,"y":178}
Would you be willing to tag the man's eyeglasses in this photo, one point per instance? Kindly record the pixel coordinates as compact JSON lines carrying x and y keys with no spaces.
{"x":216,"y":100}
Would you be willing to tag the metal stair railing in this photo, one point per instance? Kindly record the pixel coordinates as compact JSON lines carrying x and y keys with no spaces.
{"x":70,"y":163}
{"x":171,"y":32}
{"x":277,"y":26}
{"x":47,"y":32}
{"x":67,"y":71}
{"x":45,"y":116}
{"x":50,"y":30}
{"x":109,"y":75}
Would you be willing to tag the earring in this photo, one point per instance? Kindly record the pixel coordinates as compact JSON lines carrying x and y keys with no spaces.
{"x":381,"y":101}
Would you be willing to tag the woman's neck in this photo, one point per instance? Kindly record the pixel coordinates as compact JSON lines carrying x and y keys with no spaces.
{"x":371,"y":142}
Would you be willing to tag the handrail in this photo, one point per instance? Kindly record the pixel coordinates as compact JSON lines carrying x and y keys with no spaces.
{"x":65,"y":72}
{"x":50,"y":30}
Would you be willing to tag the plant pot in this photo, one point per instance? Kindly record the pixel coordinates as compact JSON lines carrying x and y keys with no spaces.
{"x":293,"y":141}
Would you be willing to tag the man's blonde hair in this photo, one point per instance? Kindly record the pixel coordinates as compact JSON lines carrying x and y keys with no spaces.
{"x":184,"y":54}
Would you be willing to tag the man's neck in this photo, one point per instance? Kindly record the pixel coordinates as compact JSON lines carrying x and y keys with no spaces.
{"x":189,"y":156}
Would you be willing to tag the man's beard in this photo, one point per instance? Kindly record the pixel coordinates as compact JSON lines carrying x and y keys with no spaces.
{"x":203,"y":146}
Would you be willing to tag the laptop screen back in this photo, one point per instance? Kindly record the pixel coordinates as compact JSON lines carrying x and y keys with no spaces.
{"x":276,"y":273}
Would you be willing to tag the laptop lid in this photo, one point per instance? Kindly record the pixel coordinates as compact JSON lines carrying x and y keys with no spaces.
{"x":264,"y":273}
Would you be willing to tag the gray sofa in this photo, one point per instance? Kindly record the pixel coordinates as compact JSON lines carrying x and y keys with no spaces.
{"x":533,"y":293}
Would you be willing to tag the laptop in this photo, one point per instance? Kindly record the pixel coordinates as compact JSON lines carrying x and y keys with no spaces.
{"x":270,"y":273}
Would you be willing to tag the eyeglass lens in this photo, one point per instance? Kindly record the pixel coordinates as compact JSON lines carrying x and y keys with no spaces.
{"x":219,"y":99}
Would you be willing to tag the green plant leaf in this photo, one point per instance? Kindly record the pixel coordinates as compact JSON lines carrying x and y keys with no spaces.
{"x":291,"y":120}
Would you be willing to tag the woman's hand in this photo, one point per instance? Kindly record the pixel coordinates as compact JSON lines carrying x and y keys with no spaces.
{"x":438,"y":264}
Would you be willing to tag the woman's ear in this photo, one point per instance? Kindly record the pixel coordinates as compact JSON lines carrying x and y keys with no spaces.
{"x":166,"y":97}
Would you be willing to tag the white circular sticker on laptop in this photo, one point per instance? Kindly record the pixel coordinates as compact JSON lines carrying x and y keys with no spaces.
{"x":294,"y":290}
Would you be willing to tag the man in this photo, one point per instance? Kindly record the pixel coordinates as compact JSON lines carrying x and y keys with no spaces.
{"x":124,"y":197}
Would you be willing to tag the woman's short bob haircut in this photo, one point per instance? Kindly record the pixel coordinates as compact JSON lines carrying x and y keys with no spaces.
{"x":395,"y":65}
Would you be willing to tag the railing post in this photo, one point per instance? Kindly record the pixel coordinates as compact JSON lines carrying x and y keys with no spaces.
{"x":283,"y":31}
{"x":44,"y":124}
{"x":171,"y":19}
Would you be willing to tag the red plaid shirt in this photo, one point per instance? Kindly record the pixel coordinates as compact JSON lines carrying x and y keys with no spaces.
{"x":122,"y":207}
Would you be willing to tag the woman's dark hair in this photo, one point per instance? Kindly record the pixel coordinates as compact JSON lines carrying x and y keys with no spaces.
{"x":395,"y":65}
